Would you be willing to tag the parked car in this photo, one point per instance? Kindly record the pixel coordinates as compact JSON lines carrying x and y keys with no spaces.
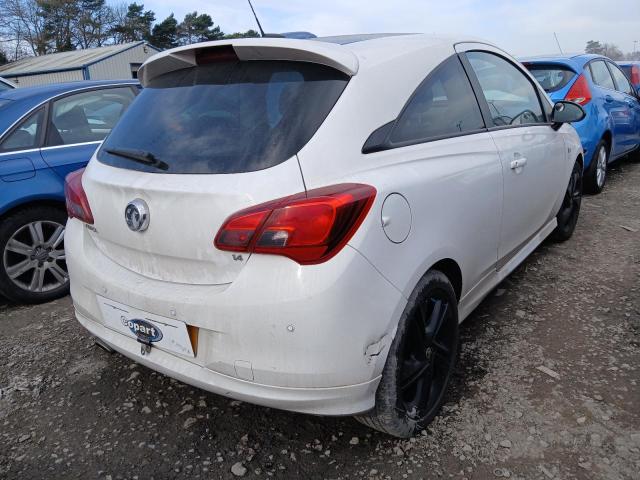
{"x":6,"y":85}
{"x":46,"y":133}
{"x":632,"y":71}
{"x":611,"y":128}
{"x":302,"y":224}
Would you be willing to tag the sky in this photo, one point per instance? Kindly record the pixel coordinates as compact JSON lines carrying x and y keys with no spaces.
{"x":523,"y":27}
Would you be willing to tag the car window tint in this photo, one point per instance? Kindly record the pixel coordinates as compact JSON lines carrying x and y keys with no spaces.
{"x":443,"y":105}
{"x":600,"y":75}
{"x":512,"y":98}
{"x":226,"y":117}
{"x":551,"y":77}
{"x":622,"y":83}
{"x":26,"y":135}
{"x":87,"y":116}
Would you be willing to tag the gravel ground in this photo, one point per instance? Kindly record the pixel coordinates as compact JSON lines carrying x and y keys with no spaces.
{"x":547,"y":387}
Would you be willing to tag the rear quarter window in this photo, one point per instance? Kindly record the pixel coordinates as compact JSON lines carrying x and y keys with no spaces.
{"x":551,"y":77}
{"x":228,"y":117}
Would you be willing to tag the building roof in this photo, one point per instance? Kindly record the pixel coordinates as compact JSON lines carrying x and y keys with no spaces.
{"x":64,"y":61}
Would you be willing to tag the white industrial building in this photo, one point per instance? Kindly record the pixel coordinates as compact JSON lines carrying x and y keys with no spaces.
{"x":104,"y":63}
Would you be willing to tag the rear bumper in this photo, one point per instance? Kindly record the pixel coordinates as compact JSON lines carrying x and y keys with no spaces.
{"x":310,"y":339}
{"x":345,"y":400}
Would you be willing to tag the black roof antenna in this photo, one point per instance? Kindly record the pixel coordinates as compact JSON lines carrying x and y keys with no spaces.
{"x":256,"y":17}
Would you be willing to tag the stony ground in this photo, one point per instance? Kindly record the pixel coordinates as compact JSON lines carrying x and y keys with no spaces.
{"x":547,"y":387}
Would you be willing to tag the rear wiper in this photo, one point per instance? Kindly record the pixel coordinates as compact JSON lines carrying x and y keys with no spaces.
{"x":140,"y":156}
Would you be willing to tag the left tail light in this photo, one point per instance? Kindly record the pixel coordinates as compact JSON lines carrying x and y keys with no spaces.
{"x":309,"y":227}
{"x":76,"y":199}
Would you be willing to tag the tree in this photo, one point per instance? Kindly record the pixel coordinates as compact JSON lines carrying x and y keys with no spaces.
{"x":198,"y":28}
{"x":93,"y":24}
{"x":59,"y":16}
{"x":134,"y":25}
{"x":593,"y":47}
{"x":22,"y":25}
{"x":3,"y":57}
{"x":247,"y":34}
{"x":165,"y":34}
{"x":607,"y":49}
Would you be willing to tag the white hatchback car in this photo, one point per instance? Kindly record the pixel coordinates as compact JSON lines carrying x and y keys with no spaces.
{"x":302,"y":224}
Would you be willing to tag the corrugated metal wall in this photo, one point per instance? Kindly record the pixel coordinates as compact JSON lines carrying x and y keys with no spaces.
{"x":119,"y":66}
{"x":46,"y":78}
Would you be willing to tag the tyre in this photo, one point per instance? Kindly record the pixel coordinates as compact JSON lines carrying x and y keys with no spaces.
{"x":32,"y":260}
{"x":420,"y":362}
{"x":596,"y":175}
{"x":567,"y":217}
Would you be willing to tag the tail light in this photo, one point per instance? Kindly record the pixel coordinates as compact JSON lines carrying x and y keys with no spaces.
{"x":635,"y":75}
{"x":579,"y":91}
{"x":308,"y":228}
{"x":76,"y":199}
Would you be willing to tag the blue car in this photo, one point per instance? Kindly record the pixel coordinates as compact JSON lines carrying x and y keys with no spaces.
{"x":45,"y":133}
{"x":632,"y":70}
{"x":611,"y":128}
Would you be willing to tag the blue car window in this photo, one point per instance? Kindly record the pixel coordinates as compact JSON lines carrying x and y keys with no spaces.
{"x":87,"y":116}
{"x":27,"y":134}
{"x":600,"y":75}
{"x":621,"y":80}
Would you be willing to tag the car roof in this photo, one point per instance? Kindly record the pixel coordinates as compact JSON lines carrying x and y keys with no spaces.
{"x":52,"y":90}
{"x":347,"y":53}
{"x":575,"y":60}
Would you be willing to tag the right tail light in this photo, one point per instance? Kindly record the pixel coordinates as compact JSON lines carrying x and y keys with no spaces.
{"x":309,"y":227}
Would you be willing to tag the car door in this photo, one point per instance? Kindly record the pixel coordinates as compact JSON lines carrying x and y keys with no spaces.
{"x":20,"y":149}
{"x":78,"y":122}
{"x":532,"y":153}
{"x":631,"y":106}
{"x":613,"y":102}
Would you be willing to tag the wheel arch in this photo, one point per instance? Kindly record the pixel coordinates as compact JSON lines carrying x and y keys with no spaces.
{"x":450,"y":268}
{"x":38,"y":202}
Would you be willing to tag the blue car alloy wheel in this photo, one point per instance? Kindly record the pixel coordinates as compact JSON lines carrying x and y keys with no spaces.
{"x":32,"y":258}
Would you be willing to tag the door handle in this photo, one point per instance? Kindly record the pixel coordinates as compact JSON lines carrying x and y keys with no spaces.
{"x":518,"y":163}
{"x":608,"y":98}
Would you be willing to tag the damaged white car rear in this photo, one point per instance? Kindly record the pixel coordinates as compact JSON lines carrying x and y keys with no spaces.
{"x":302,"y":224}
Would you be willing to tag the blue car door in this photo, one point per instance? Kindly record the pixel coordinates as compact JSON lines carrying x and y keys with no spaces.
{"x":613,"y":102}
{"x":78,"y":122}
{"x":631,"y":105}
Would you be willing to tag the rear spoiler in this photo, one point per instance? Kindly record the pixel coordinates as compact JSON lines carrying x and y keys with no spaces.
{"x":331,"y":55}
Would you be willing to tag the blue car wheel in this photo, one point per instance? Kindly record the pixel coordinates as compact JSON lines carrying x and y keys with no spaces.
{"x":32,"y":259}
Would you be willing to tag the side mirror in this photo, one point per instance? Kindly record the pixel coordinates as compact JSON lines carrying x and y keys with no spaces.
{"x":567,"y":112}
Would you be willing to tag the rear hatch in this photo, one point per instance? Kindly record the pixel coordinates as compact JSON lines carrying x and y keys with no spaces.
{"x":198,"y":144}
{"x":555,"y":78}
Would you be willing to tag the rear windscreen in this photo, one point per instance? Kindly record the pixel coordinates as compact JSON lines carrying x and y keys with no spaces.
{"x":229,"y":117}
{"x":551,"y":77}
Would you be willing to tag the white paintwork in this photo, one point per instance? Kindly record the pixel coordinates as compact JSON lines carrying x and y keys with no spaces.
{"x":315,"y":338}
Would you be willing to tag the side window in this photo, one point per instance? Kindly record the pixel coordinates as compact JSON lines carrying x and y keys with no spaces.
{"x":512,"y":98}
{"x":27,"y":135}
{"x":443,"y":105}
{"x":621,"y":80}
{"x":600,"y":75}
{"x":87,"y":116}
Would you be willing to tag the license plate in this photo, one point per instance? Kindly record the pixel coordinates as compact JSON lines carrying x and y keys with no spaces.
{"x":161,"y":332}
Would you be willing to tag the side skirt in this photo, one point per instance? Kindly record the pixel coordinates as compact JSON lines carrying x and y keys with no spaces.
{"x":472,"y":299}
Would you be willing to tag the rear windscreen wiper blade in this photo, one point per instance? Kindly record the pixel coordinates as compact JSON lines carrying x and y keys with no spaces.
{"x":140,"y":156}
